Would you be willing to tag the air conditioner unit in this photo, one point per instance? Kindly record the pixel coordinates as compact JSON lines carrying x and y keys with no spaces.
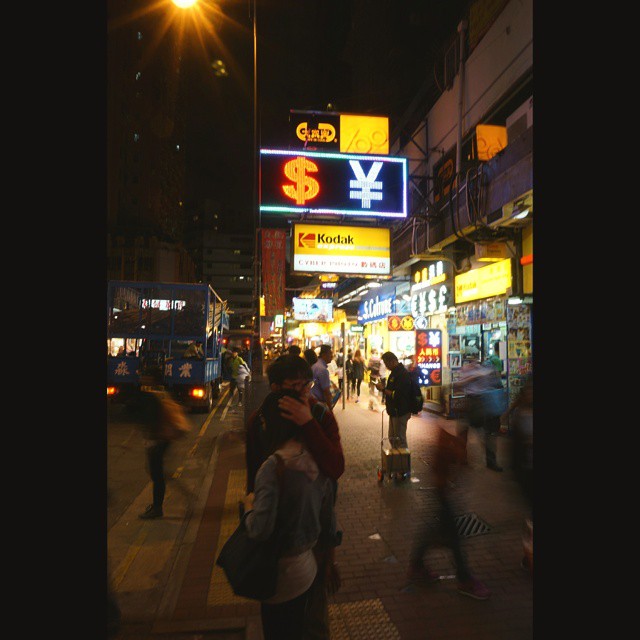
{"x":515,"y":214}
{"x":520,"y":120}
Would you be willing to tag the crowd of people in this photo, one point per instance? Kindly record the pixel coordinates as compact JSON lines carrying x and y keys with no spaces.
{"x":295,"y":426}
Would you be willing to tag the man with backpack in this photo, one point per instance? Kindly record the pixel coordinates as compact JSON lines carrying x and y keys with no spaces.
{"x":398,"y":393}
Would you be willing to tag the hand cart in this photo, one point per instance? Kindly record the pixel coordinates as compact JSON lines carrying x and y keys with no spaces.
{"x":394,"y":461}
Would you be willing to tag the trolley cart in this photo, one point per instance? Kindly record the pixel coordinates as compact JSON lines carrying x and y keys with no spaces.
{"x":394,"y":461}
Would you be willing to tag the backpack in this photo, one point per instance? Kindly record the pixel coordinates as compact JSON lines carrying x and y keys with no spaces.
{"x":173,"y":421}
{"x":416,"y":400}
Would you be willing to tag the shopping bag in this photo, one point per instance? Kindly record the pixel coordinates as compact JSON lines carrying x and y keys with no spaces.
{"x":251,"y":566}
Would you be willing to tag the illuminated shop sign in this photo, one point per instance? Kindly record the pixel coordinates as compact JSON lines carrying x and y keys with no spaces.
{"x":319,"y":183}
{"x":400,"y":323}
{"x":431,"y":290}
{"x":377,"y":306}
{"x":343,"y":132}
{"x":339,"y":249}
{"x":313,"y":309}
{"x":492,"y":280}
{"x":429,"y":357}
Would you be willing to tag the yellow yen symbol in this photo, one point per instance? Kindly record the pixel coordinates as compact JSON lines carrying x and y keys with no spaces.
{"x":306,"y":188}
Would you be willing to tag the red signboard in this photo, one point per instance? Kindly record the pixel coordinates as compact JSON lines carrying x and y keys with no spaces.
{"x":429,"y":356}
{"x":273,"y":270}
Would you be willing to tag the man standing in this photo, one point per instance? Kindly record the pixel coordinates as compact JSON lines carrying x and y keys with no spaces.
{"x":235,"y":363}
{"x":397,"y":394}
{"x":321,"y":378}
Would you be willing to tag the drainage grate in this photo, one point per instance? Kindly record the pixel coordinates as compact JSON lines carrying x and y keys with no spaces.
{"x":470,"y":525}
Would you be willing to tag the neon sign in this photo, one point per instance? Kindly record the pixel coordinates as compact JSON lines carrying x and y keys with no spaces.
{"x":345,"y":184}
{"x":429,"y":357}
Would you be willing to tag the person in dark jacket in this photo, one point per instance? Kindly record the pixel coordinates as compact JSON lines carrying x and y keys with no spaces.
{"x":397,"y":392}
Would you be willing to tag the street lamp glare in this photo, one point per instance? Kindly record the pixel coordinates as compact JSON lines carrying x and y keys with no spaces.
{"x":184,"y":4}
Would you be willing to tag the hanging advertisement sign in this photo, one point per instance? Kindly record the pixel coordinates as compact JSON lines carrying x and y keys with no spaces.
{"x":319,"y":248}
{"x":343,"y":132}
{"x":429,"y":357}
{"x":378,"y":305}
{"x":313,"y":309}
{"x":273,"y":270}
{"x":431,"y":287}
{"x":342,"y":183}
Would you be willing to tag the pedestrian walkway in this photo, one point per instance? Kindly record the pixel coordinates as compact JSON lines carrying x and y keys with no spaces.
{"x":379,"y":521}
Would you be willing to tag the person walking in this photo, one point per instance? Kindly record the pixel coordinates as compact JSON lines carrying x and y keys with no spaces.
{"x":321,"y":379}
{"x":322,"y":438}
{"x":397,"y":393}
{"x":234,"y":365}
{"x":474,"y":380}
{"x":348,"y":369}
{"x":358,"y":373}
{"x":448,"y":454}
{"x":374,"y":367}
{"x":147,"y":410}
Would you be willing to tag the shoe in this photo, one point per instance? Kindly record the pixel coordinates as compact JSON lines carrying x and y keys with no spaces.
{"x":421,"y":573}
{"x":494,"y":467}
{"x":357,"y":399}
{"x":474,"y":589}
{"x":150,"y":513}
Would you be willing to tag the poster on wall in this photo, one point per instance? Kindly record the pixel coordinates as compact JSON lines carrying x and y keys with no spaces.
{"x":429,"y":357}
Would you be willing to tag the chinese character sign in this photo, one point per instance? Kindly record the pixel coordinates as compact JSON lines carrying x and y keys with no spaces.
{"x":273,"y":270}
{"x":429,"y":356}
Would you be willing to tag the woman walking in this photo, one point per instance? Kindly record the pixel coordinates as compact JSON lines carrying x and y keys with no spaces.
{"x":358,"y":372}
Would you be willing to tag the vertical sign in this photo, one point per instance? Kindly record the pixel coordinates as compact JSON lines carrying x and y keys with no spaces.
{"x":273,"y":270}
{"x":429,"y":356}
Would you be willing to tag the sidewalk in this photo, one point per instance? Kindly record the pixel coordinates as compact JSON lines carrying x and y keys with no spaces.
{"x":379,"y":521}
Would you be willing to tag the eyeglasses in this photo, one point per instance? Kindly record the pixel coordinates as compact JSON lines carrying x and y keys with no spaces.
{"x":299,"y":385}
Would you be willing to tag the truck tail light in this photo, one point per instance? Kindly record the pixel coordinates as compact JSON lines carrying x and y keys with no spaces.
{"x":197,"y":392}
{"x":111,"y":391}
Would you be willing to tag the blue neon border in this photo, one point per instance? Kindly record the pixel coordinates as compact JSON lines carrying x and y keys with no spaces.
{"x":341,"y":156}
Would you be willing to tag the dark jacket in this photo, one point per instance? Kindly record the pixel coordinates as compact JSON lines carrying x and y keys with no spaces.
{"x":399,"y":383}
{"x":358,"y":370}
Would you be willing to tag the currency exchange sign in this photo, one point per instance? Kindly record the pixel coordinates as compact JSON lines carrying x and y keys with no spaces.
{"x":341,"y":183}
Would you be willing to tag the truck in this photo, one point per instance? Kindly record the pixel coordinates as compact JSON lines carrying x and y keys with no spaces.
{"x":151,"y":325}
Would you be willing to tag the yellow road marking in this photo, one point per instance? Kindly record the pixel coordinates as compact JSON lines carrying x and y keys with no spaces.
{"x":123,"y":567}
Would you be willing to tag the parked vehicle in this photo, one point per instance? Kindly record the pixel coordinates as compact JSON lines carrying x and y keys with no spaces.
{"x":152,"y":324}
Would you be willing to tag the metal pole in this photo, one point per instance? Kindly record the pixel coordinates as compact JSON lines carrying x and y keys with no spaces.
{"x":344,"y":365}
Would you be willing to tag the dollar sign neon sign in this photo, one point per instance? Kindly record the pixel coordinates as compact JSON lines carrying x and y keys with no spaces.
{"x":305,"y":188}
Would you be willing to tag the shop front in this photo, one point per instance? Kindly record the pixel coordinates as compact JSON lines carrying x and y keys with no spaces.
{"x":489,"y":321}
{"x":374,"y":309}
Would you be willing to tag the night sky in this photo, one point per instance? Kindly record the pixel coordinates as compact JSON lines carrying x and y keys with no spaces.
{"x":362,"y":56}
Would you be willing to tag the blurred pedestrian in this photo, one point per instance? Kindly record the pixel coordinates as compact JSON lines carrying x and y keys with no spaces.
{"x":321,"y":436}
{"x":147,"y":410}
{"x":474,"y":380}
{"x":310,"y":356}
{"x":234,"y":365}
{"x":348,"y":370}
{"x":321,"y":379}
{"x":374,"y":367}
{"x":242,"y":380}
{"x":521,"y":417}
{"x":358,"y":373}
{"x":294,"y":350}
{"x":448,"y":454}
{"x":397,"y":392}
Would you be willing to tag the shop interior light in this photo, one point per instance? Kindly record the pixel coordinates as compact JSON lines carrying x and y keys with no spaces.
{"x":406,"y":297}
{"x":521,"y":214}
{"x":514,"y":300}
{"x":374,"y":284}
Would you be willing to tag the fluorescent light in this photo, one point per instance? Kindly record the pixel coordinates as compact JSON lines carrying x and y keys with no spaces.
{"x":514,"y":300}
{"x":521,"y":214}
{"x":374,"y":285}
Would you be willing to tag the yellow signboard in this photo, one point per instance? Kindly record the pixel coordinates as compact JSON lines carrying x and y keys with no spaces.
{"x":364,"y":134}
{"x":492,"y":280}
{"x":341,"y":250}
{"x":490,"y":139}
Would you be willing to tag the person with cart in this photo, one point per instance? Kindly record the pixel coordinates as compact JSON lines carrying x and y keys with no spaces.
{"x":397,"y":394}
